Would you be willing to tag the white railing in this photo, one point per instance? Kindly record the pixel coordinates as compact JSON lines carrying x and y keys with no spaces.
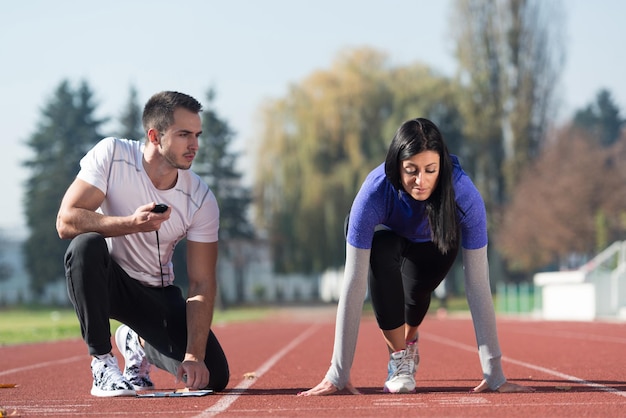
{"x":615,"y":253}
{"x":608,"y":272}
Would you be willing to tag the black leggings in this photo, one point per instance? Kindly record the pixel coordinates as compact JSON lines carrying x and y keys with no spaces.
{"x":403,"y":275}
{"x":100,"y":289}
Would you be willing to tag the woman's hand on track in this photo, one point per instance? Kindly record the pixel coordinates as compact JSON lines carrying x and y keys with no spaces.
{"x":327,"y":388}
{"x":507,"y":387}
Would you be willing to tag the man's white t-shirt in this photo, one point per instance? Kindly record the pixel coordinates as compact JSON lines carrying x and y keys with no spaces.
{"x":115,"y":167}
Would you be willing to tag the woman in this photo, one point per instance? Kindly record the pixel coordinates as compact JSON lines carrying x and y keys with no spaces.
{"x":405,"y":226}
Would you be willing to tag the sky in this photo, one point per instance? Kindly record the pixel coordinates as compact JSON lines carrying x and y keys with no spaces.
{"x":248,"y":50}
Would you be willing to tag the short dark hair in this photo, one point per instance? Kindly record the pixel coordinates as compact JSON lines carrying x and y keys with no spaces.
{"x":415,"y":136}
{"x":158,"y":113}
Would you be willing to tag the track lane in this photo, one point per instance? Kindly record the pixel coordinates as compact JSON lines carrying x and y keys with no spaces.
{"x":576,"y":368}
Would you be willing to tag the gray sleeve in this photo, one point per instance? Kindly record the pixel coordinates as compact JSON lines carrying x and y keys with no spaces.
{"x":349,"y":309}
{"x":480,"y":302}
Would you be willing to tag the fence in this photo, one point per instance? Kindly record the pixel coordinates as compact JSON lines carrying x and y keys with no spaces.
{"x":516,"y":298}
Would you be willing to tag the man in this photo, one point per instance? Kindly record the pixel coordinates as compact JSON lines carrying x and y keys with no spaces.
{"x":119,"y":263}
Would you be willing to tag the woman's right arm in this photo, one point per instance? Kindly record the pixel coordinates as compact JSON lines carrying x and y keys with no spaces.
{"x":349,"y":309}
{"x":353,"y":290}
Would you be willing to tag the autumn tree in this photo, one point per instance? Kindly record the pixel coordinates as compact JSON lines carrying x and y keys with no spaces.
{"x":611,"y":215}
{"x":319,"y":142}
{"x":509,"y":57}
{"x":570,"y":201}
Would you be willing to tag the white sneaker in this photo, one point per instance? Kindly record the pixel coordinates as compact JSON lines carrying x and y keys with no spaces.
{"x":136,"y":366}
{"x":107,"y":378}
{"x":401,"y":368}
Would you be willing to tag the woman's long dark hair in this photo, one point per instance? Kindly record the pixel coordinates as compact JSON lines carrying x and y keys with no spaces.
{"x":415,"y":136}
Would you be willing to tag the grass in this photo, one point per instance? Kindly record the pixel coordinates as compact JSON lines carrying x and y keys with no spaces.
{"x":25,"y":325}
{"x":33,"y":324}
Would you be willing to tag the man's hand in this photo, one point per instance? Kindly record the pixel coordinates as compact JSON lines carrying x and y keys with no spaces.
{"x":147,"y":221}
{"x":194,"y":373}
{"x":327,"y":388}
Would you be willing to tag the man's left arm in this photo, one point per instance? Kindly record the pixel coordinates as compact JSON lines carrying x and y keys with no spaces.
{"x":201,"y":269}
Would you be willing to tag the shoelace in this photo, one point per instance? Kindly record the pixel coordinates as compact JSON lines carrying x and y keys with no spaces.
{"x":404,"y":365}
{"x":110,"y":373}
{"x":411,"y":351}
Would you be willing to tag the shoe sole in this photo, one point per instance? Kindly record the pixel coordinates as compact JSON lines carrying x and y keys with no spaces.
{"x":401,"y":390}
{"x":137,"y":387}
{"x":112,"y":393}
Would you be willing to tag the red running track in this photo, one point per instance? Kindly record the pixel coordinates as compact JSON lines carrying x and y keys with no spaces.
{"x":577,"y":369}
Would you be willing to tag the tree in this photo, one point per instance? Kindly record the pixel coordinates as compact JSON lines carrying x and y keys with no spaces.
{"x":216,"y":163}
{"x":66,"y":131}
{"x":612,"y":212}
{"x":570,"y":201}
{"x":601,"y":119}
{"x":509,"y":57}
{"x":130,"y":120}
{"x":320,"y":141}
{"x":6,"y":270}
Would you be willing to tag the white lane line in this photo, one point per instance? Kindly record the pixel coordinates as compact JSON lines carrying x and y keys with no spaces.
{"x":227,"y":399}
{"x":573,"y":379}
{"x":44,"y":364}
{"x":577,"y":335}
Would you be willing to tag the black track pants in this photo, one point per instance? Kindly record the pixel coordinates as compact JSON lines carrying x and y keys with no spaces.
{"x":100,"y":289}
{"x":403,"y":275}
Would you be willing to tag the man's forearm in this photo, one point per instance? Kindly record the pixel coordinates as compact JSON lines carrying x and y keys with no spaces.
{"x":79,"y":221}
{"x":200,"y":306}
